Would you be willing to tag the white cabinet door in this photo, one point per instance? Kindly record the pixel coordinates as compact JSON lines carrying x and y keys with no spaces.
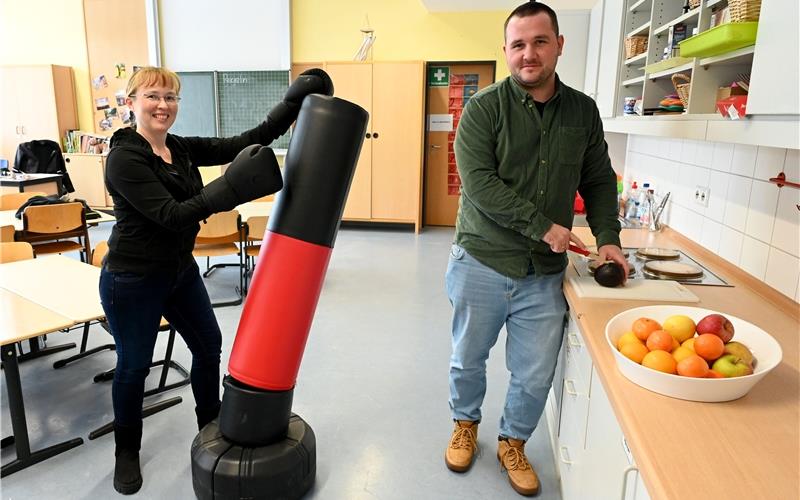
{"x":610,"y":49}
{"x":776,"y":66}
{"x":593,"y":50}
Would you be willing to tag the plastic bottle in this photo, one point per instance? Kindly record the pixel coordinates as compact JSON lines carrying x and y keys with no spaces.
{"x":642,"y":198}
{"x":632,"y":201}
{"x":645,"y":208}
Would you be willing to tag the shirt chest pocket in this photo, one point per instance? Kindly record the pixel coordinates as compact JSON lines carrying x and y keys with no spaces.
{"x":571,"y":145}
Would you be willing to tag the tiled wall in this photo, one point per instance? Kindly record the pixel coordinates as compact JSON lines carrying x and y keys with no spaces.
{"x":748,"y":221}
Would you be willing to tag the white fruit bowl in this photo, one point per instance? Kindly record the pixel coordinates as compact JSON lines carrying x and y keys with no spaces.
{"x":766,"y":351}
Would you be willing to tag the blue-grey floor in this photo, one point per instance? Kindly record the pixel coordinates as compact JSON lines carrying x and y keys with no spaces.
{"x":373,"y":386}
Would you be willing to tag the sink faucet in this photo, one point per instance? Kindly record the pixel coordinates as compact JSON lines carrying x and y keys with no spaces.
{"x":655,"y":212}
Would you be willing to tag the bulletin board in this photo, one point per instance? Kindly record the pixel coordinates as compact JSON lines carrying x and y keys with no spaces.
{"x":116,"y":43}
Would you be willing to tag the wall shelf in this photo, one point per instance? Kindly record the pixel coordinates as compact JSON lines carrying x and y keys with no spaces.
{"x":677,"y":20}
{"x":636,"y":59}
{"x":633,"y":81}
{"x":669,"y":72}
{"x":645,"y":28}
{"x":740,"y":56}
{"x":641,"y":4}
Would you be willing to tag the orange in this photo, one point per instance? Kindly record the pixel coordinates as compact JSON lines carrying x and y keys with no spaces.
{"x":660,"y":360}
{"x":679,"y":326}
{"x":713,"y":374}
{"x":708,"y":346}
{"x":635,"y":351}
{"x":689,"y":344}
{"x":626,"y":338}
{"x":660,"y":340}
{"x":682,"y":353}
{"x":643,"y":327}
{"x":693,"y":366}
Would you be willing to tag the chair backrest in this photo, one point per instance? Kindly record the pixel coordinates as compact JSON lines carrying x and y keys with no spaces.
{"x":49,"y":219}
{"x":13,"y":251}
{"x":12,"y":201}
{"x":7,"y":233}
{"x":98,"y":253}
{"x":256,"y":227}
{"x":221,"y":227}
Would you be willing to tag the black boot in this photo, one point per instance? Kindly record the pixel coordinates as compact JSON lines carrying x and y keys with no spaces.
{"x":206,"y":415}
{"x":127,"y":474}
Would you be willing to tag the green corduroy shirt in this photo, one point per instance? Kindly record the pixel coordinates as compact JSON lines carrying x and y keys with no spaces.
{"x":520,"y":171}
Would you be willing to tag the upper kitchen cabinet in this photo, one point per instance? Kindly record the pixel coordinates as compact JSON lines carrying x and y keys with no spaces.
{"x":776,"y":67}
{"x":38,"y":102}
{"x":603,"y":52}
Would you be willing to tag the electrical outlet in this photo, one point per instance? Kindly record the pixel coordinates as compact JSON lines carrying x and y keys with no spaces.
{"x":701,"y":194}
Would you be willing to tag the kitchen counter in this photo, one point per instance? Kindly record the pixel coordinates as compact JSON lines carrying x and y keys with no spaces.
{"x":748,"y":448}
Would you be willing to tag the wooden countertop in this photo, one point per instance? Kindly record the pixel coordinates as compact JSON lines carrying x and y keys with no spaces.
{"x":748,"y":448}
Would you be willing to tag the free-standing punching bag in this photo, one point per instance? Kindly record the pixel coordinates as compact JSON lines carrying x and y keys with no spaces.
{"x":258,"y":449}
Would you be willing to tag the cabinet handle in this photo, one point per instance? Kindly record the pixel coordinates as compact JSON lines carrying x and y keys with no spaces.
{"x":435,"y":146}
{"x":625,"y":481}
{"x":369,"y":136}
{"x":569,"y":386}
{"x":564,"y":455}
{"x":374,"y":135}
{"x":573,"y":340}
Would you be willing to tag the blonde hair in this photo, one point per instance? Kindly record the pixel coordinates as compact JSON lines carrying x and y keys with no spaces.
{"x":150,"y":76}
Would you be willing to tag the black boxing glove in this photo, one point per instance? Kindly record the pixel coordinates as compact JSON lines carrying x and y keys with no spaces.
{"x":252,"y":174}
{"x":312,"y":81}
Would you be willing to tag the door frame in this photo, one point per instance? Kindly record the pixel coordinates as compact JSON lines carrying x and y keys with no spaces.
{"x":425,"y":146}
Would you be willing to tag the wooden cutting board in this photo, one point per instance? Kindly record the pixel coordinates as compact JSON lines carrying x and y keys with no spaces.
{"x":650,"y":290}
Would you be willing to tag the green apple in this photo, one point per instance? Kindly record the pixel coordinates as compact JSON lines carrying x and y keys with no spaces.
{"x":741,"y":351}
{"x":732,"y":366}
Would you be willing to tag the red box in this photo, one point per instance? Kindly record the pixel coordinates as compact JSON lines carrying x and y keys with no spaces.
{"x":733,"y":107}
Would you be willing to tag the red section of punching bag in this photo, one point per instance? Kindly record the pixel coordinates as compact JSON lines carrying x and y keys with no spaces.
{"x":278,"y":312}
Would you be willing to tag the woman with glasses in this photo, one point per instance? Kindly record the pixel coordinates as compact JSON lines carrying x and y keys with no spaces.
{"x":149,"y":271}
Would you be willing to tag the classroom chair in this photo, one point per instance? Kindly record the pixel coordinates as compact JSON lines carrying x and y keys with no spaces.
{"x":7,"y":234}
{"x":220,"y":235}
{"x":12,"y":201}
{"x":256,"y":229}
{"x":56,"y":228}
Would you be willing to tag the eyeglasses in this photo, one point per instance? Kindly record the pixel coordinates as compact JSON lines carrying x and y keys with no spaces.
{"x":155,"y":98}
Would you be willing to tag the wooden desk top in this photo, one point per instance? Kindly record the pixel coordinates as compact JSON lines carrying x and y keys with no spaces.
{"x":21,"y":319}
{"x":63,"y":285}
{"x":7,"y":219}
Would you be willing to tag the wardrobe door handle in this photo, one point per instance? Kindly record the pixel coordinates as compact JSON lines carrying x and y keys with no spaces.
{"x":369,"y":136}
{"x":374,"y":135}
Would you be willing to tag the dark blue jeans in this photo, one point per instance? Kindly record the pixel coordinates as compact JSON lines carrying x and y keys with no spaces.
{"x":133,"y":304}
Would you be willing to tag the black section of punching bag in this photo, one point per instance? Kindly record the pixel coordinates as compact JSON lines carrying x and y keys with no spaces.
{"x":252,"y":416}
{"x":285,"y":469}
{"x":319,"y":166}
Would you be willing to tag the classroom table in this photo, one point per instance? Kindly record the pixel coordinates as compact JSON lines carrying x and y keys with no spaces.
{"x":22,"y":319}
{"x":20,"y":182}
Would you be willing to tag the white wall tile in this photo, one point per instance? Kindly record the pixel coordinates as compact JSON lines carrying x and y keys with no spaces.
{"x":688,"y":151}
{"x":761,"y":212}
{"x":791,"y":165}
{"x":786,"y":234}
{"x":783,"y":272}
{"x":730,"y":245}
{"x":737,"y":202}
{"x":679,"y":218}
{"x":717,"y":195}
{"x":694,"y":225}
{"x":744,"y":159}
{"x":712,"y":231}
{"x":754,"y":257}
{"x":723,"y":156}
{"x":769,"y":162}
{"x":704,"y":155}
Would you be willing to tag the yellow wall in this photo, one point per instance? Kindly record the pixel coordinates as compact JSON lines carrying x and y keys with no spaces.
{"x":52,"y":32}
{"x":48,"y":32}
{"x":324,"y":30}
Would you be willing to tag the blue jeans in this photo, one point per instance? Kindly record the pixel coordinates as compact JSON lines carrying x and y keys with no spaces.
{"x":133,"y":304}
{"x":533,"y":310}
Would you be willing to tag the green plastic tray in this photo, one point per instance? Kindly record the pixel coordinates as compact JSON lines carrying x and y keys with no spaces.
{"x":719,"y":40}
{"x":666,"y":64}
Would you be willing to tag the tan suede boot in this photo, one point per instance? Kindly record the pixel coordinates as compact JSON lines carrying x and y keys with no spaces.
{"x":521,"y":475}
{"x":462,"y":447}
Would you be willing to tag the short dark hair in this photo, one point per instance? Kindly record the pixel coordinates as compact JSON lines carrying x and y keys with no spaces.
{"x":531,"y":9}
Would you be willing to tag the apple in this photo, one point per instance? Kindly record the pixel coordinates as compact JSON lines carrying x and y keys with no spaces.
{"x":717,"y":324}
{"x":740,"y":351}
{"x":730,"y":365}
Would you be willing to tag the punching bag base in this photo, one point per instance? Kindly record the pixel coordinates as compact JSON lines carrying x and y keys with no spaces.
{"x":223,"y":470}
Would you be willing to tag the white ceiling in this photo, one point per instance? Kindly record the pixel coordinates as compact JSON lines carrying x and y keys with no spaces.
{"x":471,"y":5}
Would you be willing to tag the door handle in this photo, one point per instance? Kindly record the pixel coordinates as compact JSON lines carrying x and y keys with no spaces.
{"x":435,"y":146}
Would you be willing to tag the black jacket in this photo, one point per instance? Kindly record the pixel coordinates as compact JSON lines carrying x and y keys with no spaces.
{"x":156,"y":204}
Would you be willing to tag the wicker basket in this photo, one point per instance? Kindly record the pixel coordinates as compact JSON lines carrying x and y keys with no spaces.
{"x":743,"y":11}
{"x":635,"y":45}
{"x":693,"y":4}
{"x":681,"y":83}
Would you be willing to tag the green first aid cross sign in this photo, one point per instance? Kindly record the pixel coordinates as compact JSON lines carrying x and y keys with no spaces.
{"x":438,"y":76}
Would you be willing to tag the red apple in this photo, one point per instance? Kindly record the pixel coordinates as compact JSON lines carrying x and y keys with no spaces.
{"x":717,"y":324}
